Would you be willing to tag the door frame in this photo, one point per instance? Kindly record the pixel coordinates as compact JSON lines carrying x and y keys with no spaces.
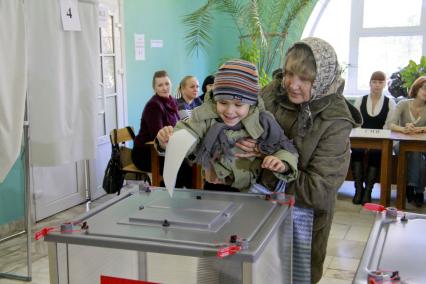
{"x":97,"y":167}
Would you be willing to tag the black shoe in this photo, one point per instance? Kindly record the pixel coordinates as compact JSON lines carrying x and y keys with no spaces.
{"x":366,"y":197}
{"x":357,"y":199}
{"x":410,"y":193}
{"x":419,"y":199}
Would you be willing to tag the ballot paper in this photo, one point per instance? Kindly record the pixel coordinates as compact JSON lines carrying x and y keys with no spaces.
{"x":177,"y":148}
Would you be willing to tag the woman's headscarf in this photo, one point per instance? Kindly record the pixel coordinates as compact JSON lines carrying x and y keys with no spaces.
{"x":327,"y":80}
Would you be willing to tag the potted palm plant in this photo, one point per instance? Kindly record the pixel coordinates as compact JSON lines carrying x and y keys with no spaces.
{"x":262,"y":26}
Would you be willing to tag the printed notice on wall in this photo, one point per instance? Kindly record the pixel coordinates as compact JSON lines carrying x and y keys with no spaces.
{"x":139,"y":47}
{"x":69,"y":15}
{"x":156,"y":43}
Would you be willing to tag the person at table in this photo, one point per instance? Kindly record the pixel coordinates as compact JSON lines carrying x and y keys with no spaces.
{"x":409,"y":118}
{"x":161,"y":110}
{"x":309,"y":105}
{"x":187,"y":95}
{"x":375,"y":109}
{"x":207,"y":86}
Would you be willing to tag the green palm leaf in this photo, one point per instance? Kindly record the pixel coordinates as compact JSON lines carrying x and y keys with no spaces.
{"x":262,"y":25}
{"x":199,"y":26}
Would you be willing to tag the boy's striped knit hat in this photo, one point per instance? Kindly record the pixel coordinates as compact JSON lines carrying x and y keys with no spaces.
{"x":237,"y":79}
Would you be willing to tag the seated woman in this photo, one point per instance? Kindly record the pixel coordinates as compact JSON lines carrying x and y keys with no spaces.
{"x":410,"y":118}
{"x":207,"y":86}
{"x":187,"y":95}
{"x":161,"y":110}
{"x":375,"y":109}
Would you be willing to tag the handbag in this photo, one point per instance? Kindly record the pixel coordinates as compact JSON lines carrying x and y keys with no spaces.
{"x":114,"y":176}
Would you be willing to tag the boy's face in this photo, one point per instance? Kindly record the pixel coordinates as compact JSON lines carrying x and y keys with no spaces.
{"x":232,"y":111}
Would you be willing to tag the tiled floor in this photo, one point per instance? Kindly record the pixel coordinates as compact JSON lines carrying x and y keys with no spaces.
{"x":349,"y":233}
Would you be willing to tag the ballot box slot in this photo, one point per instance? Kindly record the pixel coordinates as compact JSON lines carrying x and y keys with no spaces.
{"x":180,"y":213}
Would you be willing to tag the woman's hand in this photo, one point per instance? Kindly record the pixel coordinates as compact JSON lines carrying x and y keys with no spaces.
{"x":420,"y":129}
{"x":163,"y":136}
{"x":249,"y":146}
{"x":274,"y":164}
{"x":409,"y":128}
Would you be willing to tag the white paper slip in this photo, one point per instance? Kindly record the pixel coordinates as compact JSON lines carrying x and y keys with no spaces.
{"x":179,"y":144}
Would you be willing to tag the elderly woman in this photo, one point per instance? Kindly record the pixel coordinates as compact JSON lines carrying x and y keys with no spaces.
{"x":308,"y":104}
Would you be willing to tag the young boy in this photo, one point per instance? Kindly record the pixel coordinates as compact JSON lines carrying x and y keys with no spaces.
{"x":233,"y":111}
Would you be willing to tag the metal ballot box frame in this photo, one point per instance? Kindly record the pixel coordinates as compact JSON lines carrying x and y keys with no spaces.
{"x":396,"y":247}
{"x":150,"y":236}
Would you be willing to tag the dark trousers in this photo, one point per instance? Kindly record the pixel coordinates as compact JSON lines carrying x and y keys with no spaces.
{"x":141,"y":157}
{"x":373,"y":157}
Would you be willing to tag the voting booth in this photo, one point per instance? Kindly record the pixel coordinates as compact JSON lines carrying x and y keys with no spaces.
{"x":194,"y":237}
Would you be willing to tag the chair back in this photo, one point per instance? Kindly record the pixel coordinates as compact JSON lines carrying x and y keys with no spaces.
{"x":118,"y":138}
{"x":121,"y":135}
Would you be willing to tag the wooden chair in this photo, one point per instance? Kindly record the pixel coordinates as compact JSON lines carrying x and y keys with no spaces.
{"x":120,"y":138}
{"x":197,"y":179}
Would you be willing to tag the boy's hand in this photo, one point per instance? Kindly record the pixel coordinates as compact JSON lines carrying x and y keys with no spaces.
{"x":211,"y":177}
{"x":163,"y":135}
{"x":274,"y":164}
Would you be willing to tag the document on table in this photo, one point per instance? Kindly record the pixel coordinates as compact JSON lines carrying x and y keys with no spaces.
{"x":177,"y":147}
{"x":371,"y":133}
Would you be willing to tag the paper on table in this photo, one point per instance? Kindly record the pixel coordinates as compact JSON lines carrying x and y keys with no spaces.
{"x":177,"y":147}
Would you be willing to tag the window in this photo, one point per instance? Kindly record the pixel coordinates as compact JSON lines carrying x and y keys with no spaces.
{"x":370,"y":35}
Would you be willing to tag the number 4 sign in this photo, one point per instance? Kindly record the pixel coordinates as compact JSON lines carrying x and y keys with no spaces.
{"x":69,"y":15}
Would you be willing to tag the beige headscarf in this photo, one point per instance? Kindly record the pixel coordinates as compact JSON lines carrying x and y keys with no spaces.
{"x":327,"y":80}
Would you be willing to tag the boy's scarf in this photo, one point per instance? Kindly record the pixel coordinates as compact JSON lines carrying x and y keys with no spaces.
{"x":273,"y":137}
{"x":216,"y":144}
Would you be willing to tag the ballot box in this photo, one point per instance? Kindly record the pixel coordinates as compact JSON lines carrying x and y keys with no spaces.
{"x":395,"y":251}
{"x":195,"y":237}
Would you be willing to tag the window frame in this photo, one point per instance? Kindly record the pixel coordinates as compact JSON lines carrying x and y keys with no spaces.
{"x":357,"y":31}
